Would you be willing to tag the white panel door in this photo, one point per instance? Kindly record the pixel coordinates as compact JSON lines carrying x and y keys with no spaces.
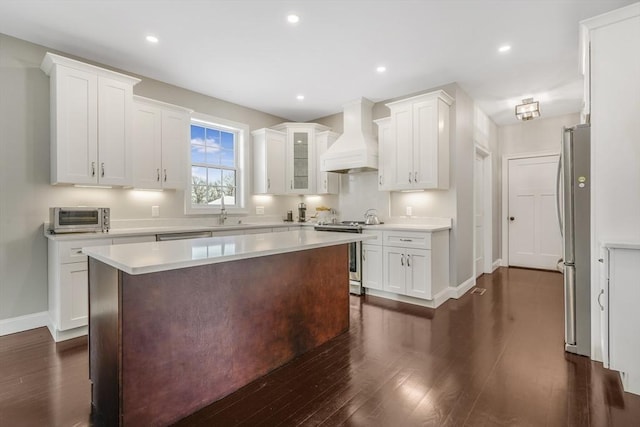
{"x":74,"y":295}
{"x":75,"y":127}
{"x":115,"y":104}
{"x":175,"y":145}
{"x":402,"y":145}
{"x":147,"y":130}
{"x":395,"y":270}
{"x":418,"y":273}
{"x":534,"y":234}
{"x":425,"y":144}
{"x":372,"y":267}
{"x":478,"y":205}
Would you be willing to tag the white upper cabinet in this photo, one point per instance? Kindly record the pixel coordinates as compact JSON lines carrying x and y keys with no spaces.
{"x":326,"y":182}
{"x":269,"y":161}
{"x":301,"y":167}
{"x":91,"y":126}
{"x":160,"y":144}
{"x":385,"y":149}
{"x":418,"y":144}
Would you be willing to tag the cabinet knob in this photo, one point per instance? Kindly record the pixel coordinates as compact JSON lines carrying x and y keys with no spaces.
{"x":415,"y":177}
{"x":93,"y":169}
{"x":165,"y":175}
{"x":601,"y":260}
{"x":158,"y":174}
{"x":512,"y":218}
{"x":409,"y":177}
{"x":102,"y":170}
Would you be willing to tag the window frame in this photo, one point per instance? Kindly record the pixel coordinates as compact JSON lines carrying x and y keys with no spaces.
{"x":242,"y":166}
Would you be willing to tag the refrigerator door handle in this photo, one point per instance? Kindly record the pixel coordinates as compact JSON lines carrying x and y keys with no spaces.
{"x":567,"y":192}
{"x":570,"y":304}
{"x":558,"y":194}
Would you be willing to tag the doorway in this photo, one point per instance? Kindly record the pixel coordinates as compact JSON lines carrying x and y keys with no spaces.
{"x":482,"y":197}
{"x":534,"y":238}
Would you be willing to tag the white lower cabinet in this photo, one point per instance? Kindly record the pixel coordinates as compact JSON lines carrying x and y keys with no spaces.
{"x":410,"y":266}
{"x":69,"y":287}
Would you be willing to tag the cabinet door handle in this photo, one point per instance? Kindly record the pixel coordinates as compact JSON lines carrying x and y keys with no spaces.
{"x":93,"y":168}
{"x":408,"y":260}
{"x":291,"y":184}
{"x":268,"y":183}
{"x":158,"y":174}
{"x":102,"y":170}
{"x":165,"y":175}
{"x":325,"y":184}
{"x":402,"y":260}
{"x":415,"y":177}
{"x":364,"y":255}
{"x":380,"y":180}
{"x":409,"y":177}
{"x":599,"y":303}
{"x":406,"y":240}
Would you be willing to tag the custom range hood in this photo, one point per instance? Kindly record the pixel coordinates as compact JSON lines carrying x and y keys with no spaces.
{"x":355,"y":150}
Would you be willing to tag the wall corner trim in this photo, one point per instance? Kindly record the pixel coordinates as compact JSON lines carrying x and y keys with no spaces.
{"x":13,"y":325}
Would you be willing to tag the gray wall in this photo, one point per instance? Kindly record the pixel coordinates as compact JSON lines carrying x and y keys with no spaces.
{"x":25,"y":192}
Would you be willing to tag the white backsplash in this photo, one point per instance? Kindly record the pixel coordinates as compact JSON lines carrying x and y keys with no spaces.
{"x":359,"y":192}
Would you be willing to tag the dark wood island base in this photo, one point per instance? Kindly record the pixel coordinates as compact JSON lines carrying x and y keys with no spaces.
{"x":163,"y":345}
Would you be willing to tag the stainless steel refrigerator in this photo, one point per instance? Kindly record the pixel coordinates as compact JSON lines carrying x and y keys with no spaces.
{"x":574,"y":186}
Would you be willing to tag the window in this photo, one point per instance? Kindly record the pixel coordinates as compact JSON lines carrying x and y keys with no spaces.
{"x":216,"y":165}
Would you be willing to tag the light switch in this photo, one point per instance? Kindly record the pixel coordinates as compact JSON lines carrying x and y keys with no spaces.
{"x":409,"y":211}
{"x":259,"y":210}
{"x":155,"y":211}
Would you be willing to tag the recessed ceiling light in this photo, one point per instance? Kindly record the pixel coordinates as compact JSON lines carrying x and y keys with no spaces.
{"x":381,"y":69}
{"x":152,"y":39}
{"x":300,"y":97}
{"x":504,"y":48}
{"x":293,"y":18}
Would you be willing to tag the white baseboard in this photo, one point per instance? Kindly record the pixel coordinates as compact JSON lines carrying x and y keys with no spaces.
{"x":503,"y":263}
{"x":404,"y":298}
{"x":461,"y":289}
{"x":23,"y":323}
{"x":497,"y":263}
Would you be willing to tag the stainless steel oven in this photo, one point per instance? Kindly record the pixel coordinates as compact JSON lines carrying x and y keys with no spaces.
{"x":355,"y":253}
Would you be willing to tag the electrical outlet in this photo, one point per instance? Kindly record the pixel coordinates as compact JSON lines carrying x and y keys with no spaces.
{"x":259,"y":210}
{"x":409,"y":211}
{"x":155,"y":211}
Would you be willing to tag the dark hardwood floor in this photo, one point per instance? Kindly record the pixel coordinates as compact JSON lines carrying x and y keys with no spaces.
{"x":495,"y":359}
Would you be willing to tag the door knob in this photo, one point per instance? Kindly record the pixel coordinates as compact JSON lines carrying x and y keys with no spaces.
{"x":511,"y":218}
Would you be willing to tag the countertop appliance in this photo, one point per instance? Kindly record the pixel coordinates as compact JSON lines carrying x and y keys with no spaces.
{"x":355,"y":251}
{"x":573,"y":205}
{"x":302,"y":212}
{"x":79,"y":220}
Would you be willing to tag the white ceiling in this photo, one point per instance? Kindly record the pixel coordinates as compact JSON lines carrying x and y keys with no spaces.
{"x":245,"y":52}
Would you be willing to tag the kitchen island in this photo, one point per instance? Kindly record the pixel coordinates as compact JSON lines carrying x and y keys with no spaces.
{"x":175,"y":326}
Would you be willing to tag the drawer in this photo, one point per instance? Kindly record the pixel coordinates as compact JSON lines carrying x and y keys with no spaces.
{"x":377,"y":240}
{"x":407,"y":239}
{"x":72,"y":251}
{"x":257,"y":230}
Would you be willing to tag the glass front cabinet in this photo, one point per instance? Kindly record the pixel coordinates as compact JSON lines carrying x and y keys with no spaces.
{"x":301,"y":161}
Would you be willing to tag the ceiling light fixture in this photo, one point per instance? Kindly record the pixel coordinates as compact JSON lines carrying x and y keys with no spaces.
{"x":300,"y":97}
{"x":152,"y":39}
{"x":293,"y":18}
{"x":528,"y":110}
{"x":505,"y":48}
{"x":381,"y":69}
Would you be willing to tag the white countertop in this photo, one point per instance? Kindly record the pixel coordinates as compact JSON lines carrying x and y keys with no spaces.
{"x":146,"y":231}
{"x":167,"y":229}
{"x":408,"y":227}
{"x":628,"y":244}
{"x":141,"y":258}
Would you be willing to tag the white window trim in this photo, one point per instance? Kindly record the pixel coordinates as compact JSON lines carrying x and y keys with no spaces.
{"x":243,"y":174}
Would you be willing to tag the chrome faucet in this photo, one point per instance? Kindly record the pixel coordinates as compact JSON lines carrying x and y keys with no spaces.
{"x":223,"y":211}
{"x":223,"y":216}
